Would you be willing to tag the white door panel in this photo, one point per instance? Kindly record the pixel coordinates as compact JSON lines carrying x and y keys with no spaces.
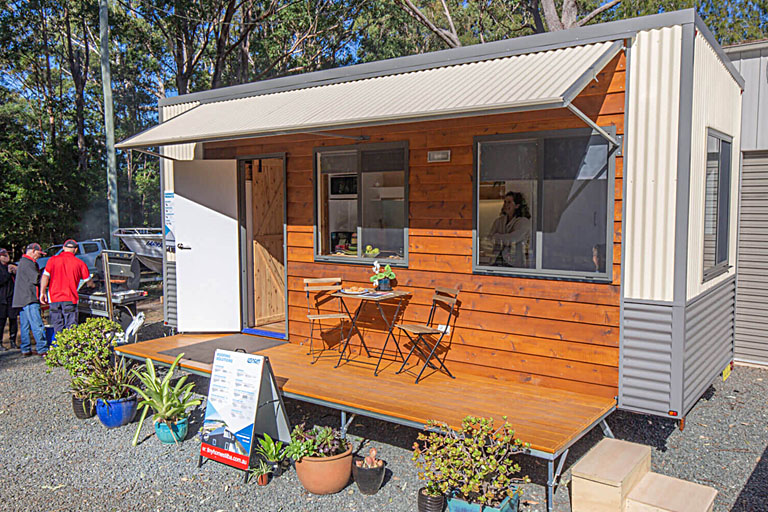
{"x":207,"y":247}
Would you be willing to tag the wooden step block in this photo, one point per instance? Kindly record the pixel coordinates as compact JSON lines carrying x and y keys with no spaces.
{"x":659,"y":493}
{"x":602,"y":479}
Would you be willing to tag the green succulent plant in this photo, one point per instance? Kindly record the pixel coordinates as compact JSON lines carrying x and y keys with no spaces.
{"x":474,"y":463}
{"x":79,"y":348}
{"x":269,"y":449}
{"x":170,"y":402}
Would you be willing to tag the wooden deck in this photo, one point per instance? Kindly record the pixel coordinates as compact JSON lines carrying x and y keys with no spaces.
{"x":551,"y":420}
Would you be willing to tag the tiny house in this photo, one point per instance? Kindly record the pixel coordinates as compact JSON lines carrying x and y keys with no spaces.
{"x":580,"y":189}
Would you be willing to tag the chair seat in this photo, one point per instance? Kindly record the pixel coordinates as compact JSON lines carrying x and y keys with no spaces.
{"x":328,"y":316}
{"x":418,"y":329}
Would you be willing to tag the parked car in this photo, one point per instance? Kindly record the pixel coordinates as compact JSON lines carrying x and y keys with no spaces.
{"x":87,"y":250}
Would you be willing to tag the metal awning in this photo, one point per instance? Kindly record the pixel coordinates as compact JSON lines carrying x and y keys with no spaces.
{"x":533,"y":81}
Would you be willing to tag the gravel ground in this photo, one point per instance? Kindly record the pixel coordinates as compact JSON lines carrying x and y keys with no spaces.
{"x":50,"y":461}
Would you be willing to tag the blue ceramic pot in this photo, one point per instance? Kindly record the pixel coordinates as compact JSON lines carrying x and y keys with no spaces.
{"x":176,"y":433}
{"x":116,"y":413}
{"x":508,"y":505}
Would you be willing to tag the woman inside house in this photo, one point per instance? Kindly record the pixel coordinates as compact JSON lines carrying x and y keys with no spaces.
{"x":510,"y":233}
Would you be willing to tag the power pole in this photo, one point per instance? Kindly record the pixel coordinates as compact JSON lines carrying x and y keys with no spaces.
{"x":109,"y":124}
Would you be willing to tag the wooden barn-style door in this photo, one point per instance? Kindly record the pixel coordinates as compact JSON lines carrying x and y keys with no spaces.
{"x":267,"y":189}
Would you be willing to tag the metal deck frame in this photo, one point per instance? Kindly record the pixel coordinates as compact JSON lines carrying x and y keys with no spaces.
{"x":553,"y":473}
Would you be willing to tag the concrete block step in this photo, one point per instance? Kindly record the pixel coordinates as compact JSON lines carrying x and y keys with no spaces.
{"x":660,"y":493}
{"x":602,"y":479}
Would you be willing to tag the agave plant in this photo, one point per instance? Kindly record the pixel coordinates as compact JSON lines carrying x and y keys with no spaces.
{"x":170,"y":402}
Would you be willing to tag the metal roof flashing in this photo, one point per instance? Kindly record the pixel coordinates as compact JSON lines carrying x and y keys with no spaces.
{"x":527,"y":44}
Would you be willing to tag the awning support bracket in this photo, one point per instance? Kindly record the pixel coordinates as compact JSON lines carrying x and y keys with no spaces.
{"x":581,"y":115}
{"x":152,"y":153}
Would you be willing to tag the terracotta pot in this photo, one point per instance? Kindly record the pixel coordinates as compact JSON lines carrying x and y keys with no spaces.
{"x":325,"y":475}
{"x":262,"y":479}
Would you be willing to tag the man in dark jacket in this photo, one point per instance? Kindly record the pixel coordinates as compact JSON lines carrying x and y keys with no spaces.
{"x":25,"y":296}
{"x":7,"y":271}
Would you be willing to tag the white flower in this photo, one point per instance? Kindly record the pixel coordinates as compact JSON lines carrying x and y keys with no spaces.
{"x":376,"y":267}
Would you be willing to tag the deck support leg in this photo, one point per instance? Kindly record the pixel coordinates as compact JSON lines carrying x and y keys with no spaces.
{"x":553,"y":479}
{"x":606,"y":429}
{"x":345,"y":423}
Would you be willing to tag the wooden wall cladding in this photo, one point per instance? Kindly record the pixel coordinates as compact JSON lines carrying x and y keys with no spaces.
{"x":561,"y":334}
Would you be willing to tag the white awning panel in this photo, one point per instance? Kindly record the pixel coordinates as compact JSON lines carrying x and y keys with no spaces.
{"x":548,"y":79}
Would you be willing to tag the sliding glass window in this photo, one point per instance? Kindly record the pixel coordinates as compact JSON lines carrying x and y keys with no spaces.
{"x":361,"y":206}
{"x":544,"y":205}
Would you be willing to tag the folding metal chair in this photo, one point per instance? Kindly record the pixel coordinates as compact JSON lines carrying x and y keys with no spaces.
{"x":443,"y":297}
{"x":319,"y":293}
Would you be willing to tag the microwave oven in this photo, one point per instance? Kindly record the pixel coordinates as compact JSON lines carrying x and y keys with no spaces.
{"x":342,"y":186}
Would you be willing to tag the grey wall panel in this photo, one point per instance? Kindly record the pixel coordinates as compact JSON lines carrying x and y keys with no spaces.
{"x":169,"y":299}
{"x":708,"y":348}
{"x":645,"y":375}
{"x":751,"y":60}
{"x":751,"y":334}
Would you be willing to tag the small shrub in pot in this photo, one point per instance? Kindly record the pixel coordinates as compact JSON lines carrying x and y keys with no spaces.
{"x":323,"y":458}
{"x":472,"y":465}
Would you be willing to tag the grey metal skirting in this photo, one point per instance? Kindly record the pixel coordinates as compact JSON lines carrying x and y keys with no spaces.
{"x":670,"y":354}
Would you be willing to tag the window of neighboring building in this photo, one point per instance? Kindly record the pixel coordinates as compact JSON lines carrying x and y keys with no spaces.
{"x":717,"y":204}
{"x":544,"y":205}
{"x":362,"y":209}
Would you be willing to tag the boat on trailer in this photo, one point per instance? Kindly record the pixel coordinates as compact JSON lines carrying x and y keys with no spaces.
{"x":147,"y":243}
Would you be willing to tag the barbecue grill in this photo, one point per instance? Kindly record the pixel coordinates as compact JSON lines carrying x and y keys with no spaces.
{"x":123,"y":280}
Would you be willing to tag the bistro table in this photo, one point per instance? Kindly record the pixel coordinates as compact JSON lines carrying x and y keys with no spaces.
{"x":377,"y":297}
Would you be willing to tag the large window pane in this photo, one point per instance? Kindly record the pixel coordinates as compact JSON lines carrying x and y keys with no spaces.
{"x":507,"y":203}
{"x":574,"y":202}
{"x":361,"y":193}
{"x":383,"y":214}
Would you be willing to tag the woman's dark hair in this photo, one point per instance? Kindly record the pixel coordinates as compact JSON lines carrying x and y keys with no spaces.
{"x":521,"y":206}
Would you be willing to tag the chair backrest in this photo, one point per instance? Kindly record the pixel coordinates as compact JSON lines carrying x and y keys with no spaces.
{"x":319,"y":288}
{"x":447,"y":296}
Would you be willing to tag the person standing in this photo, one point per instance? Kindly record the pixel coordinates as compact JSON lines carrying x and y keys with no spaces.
{"x":25,"y":297}
{"x":7,"y":273}
{"x":61,"y":280}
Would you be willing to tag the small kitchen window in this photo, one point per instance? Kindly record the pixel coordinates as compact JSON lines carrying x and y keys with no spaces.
{"x":361,"y":203}
{"x":717,"y":204}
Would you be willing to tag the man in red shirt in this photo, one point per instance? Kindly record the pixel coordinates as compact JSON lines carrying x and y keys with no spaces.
{"x":61,"y":279}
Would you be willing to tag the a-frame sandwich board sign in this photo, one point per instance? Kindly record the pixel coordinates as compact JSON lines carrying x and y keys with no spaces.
{"x":243,"y":403}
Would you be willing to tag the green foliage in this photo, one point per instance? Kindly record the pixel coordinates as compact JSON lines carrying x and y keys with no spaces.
{"x":475,"y":463}
{"x":269,"y":449}
{"x":262,"y":469}
{"x":387,"y":273}
{"x":316,"y":442}
{"x":79,"y":349}
{"x":170,"y":402}
{"x":109,"y":381}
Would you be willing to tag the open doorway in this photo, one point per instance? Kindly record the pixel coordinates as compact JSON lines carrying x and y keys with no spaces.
{"x":265,"y":286}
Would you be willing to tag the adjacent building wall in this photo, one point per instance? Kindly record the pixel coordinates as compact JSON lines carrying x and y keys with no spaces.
{"x":751,"y":60}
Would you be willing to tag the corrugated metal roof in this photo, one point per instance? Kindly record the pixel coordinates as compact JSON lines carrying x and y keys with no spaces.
{"x":548,"y":79}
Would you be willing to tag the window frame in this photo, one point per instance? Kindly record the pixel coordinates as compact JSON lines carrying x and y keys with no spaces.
{"x":359,"y":148}
{"x":722,"y":267}
{"x":536,"y":238}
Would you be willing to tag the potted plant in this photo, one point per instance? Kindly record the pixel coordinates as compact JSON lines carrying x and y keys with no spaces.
{"x":382,"y":279}
{"x":77,"y":349}
{"x":110,"y":385}
{"x":473,"y":467}
{"x":262,"y":472}
{"x":271,"y":452}
{"x":368,"y":472}
{"x":170,"y":402}
{"x":323,"y":458}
